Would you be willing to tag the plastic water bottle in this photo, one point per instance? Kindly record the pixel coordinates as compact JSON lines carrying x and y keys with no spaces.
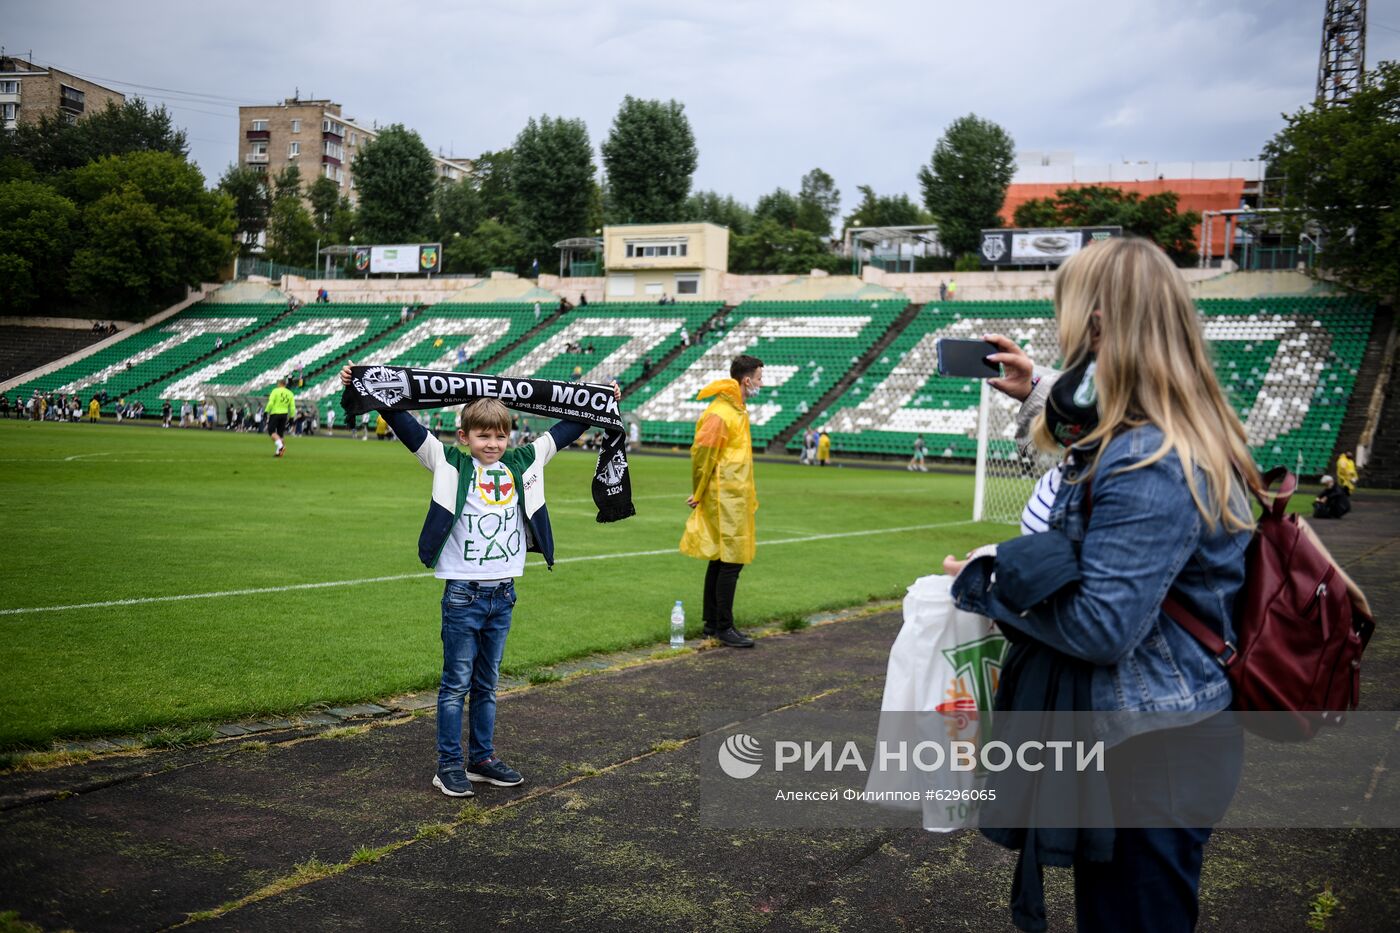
{"x":678,"y":625}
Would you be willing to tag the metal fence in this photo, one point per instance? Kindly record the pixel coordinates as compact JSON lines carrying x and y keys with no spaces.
{"x":248,"y":265}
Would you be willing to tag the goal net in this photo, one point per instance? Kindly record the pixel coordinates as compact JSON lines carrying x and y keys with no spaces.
{"x":1005,"y":478}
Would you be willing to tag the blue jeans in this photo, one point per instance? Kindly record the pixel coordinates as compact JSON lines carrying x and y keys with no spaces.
{"x":475,"y":622}
{"x":1153,"y":882}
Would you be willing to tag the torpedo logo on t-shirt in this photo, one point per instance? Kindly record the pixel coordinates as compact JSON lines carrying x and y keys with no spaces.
{"x":494,"y":485}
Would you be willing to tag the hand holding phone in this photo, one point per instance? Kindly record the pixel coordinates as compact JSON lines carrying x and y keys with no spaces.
{"x":967,"y":358}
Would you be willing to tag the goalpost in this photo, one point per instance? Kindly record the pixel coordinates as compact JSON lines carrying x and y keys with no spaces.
{"x":1005,"y":479}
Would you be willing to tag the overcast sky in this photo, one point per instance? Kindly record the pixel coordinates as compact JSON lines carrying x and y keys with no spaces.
{"x":772,"y":89}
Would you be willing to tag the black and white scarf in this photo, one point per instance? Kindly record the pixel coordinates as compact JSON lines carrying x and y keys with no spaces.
{"x":401,"y":388}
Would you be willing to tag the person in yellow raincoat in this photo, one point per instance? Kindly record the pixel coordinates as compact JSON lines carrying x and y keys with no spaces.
{"x":94,"y":410}
{"x":824,"y":449}
{"x":723,"y":498}
{"x":1346,"y":471}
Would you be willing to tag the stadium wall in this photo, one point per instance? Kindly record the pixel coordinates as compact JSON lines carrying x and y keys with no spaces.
{"x":63,"y":323}
{"x":922,"y":287}
{"x":410,"y":290}
{"x":919,"y":287}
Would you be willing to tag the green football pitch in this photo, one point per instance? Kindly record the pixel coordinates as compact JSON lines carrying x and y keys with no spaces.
{"x":162,"y":577}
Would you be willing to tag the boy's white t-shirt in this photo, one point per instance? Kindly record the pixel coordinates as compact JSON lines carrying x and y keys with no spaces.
{"x":488,"y":539}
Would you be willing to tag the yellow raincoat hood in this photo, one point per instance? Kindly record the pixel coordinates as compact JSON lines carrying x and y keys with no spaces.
{"x":721,"y":527}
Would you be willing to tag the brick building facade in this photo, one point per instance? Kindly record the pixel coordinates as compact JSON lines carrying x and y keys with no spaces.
{"x":29,"y":91}
{"x":313,"y":135}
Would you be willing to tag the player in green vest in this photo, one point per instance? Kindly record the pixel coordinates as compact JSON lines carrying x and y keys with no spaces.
{"x":281,"y":405}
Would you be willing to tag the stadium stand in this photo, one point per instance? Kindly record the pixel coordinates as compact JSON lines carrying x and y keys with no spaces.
{"x":806,"y":346}
{"x":135,"y":361}
{"x":1288,"y":364}
{"x":432,"y":341}
{"x":312,"y":336}
{"x":622,"y":334}
{"x":26,"y":348}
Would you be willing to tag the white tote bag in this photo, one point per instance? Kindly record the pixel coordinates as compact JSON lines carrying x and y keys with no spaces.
{"x":943,"y":661}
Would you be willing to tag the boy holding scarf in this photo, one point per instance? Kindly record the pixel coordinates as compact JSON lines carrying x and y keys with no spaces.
{"x":487,"y":510}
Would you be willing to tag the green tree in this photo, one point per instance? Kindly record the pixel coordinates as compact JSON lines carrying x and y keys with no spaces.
{"x":344,"y":225}
{"x":1340,"y":167}
{"x":649,"y":156}
{"x":325,"y":199}
{"x":774,"y":249}
{"x":251,"y":203}
{"x":36,"y":241}
{"x":552,"y":177}
{"x":492,"y":246}
{"x":457,"y":209}
{"x":888,"y":210}
{"x":287,"y":183}
{"x":817,"y":202}
{"x":965,"y":182}
{"x":1155,"y":217}
{"x":491,"y":173}
{"x":1038,"y":212}
{"x":394,"y":175}
{"x":719,"y":209}
{"x":779,"y":206}
{"x":291,"y":235}
{"x":53,"y":146}
{"x":148,"y":228}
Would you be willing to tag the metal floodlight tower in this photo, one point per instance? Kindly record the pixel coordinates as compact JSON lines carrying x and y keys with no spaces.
{"x":1343,"y":59}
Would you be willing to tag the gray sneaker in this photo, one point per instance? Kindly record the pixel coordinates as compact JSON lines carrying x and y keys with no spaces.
{"x":453,"y":782}
{"x":494,"y":771}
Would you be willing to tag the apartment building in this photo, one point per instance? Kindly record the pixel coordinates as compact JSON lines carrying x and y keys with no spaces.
{"x":29,"y":91}
{"x":316,"y":137}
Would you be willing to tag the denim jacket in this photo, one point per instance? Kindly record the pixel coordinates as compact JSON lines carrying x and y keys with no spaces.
{"x":1145,"y":537}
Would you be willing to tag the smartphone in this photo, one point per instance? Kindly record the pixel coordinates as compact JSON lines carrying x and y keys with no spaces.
{"x":967,"y":358}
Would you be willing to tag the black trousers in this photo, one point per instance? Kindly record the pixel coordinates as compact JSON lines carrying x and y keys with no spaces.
{"x":721,"y":579}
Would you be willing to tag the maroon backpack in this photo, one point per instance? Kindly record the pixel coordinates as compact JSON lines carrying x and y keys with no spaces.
{"x":1300,"y":627}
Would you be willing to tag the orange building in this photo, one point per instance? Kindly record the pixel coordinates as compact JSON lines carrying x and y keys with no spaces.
{"x":1199,"y":186}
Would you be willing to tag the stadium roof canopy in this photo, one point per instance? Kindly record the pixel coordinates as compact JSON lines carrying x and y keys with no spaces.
{"x":577,"y":246}
{"x":917,"y":233}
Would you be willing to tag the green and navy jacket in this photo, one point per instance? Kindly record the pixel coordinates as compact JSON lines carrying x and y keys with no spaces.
{"x":453,"y":477}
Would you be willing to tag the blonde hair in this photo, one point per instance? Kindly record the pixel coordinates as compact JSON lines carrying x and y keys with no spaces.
{"x":486,"y":413}
{"x":1153,"y":366}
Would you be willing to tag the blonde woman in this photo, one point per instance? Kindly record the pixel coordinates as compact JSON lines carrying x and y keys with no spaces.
{"x":1152,"y":500}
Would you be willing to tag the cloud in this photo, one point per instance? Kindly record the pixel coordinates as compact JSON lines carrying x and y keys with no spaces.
{"x":1126,"y":115}
{"x":771,"y":89}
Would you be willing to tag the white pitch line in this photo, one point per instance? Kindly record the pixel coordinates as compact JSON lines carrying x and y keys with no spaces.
{"x":258,"y":591}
